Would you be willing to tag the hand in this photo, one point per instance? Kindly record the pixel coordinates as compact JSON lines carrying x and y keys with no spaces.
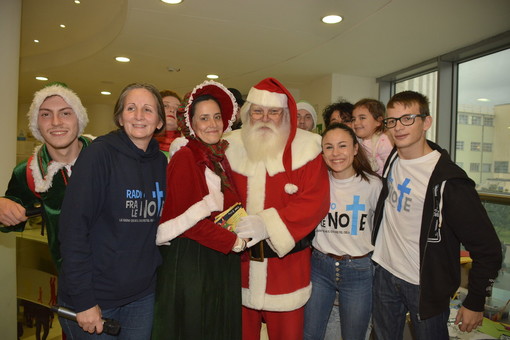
{"x":239,"y":245}
{"x":252,"y":227}
{"x":91,"y":320}
{"x":11,"y":213}
{"x":467,"y":320}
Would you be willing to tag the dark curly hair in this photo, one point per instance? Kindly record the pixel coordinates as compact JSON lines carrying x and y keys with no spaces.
{"x":344,"y":107}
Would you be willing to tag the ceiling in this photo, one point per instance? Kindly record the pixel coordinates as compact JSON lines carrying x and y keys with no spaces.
{"x":240,"y":40}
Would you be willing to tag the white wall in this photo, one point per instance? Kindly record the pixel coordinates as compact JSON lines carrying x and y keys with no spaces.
{"x":10,"y":26}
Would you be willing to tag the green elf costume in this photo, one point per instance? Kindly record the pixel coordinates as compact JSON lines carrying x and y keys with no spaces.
{"x":40,"y":181}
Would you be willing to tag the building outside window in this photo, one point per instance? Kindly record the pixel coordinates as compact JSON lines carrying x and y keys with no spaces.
{"x":476,"y":120}
{"x":474,"y":167}
{"x":459,"y":145}
{"x":488,"y":121}
{"x":487,"y":147}
{"x":501,"y":167}
{"x":486,"y":167}
{"x":463,"y":119}
{"x":475,"y":146}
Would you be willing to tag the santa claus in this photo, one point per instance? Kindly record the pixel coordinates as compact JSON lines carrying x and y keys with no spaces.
{"x":283,"y":183}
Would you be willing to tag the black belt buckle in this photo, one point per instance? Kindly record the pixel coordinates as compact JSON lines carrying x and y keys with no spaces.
{"x":260,"y":258}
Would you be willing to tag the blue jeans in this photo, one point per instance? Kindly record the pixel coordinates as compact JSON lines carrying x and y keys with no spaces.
{"x":352,"y":278}
{"x":135,"y":321}
{"x":393,"y":298}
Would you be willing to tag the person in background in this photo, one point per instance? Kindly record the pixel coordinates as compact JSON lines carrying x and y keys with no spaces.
{"x":306,"y":116}
{"x":341,"y":257}
{"x":339,"y":112}
{"x":428,"y":207}
{"x":240,"y":102}
{"x":57,"y":119}
{"x":109,"y":220}
{"x":171,"y":102}
{"x":282,"y":180}
{"x":202,"y":301}
{"x":367,"y":117}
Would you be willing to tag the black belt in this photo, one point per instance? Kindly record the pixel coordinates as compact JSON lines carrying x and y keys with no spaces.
{"x":346,"y":257}
{"x":262,"y":250}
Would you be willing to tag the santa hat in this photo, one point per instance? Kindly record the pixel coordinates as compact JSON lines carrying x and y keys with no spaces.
{"x":302,"y":105}
{"x":226,"y":99}
{"x":271,"y":93}
{"x":61,"y":90}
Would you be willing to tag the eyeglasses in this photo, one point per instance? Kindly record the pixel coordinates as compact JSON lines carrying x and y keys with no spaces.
{"x":405,"y":120}
{"x":271,"y":112}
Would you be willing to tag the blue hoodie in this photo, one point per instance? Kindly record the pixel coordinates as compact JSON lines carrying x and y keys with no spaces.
{"x":108,"y":223}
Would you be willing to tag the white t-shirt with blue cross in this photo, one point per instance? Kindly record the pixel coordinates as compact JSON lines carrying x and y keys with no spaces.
{"x":397,"y":248}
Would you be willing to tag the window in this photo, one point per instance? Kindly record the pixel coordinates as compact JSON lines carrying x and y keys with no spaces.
{"x":476,"y":120}
{"x":486,"y":167}
{"x":460,"y":164}
{"x":460,"y":145}
{"x":488,"y":121}
{"x":487,"y":147}
{"x":474,"y":167}
{"x":501,"y":167}
{"x":463,"y":119}
{"x":475,"y":146}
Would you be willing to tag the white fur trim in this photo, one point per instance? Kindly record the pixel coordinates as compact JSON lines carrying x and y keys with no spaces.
{"x":176,"y":145}
{"x":192,"y":97}
{"x":291,"y":188}
{"x":266,"y":98}
{"x":69,"y":97}
{"x":43,"y":184}
{"x":256,"y":298}
{"x":213,"y":201}
{"x":279,"y":236}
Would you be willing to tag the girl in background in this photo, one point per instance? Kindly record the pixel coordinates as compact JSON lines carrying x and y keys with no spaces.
{"x":341,"y":258}
{"x":367,"y":117}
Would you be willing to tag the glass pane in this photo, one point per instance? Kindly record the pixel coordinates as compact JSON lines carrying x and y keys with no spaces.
{"x":483,"y":121}
{"x":427,"y":85}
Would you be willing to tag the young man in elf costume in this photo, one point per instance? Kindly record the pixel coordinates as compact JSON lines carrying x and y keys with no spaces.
{"x":283,"y":184}
{"x":57,"y":119}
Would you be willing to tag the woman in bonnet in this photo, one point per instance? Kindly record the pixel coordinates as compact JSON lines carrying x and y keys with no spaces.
{"x":198,"y":292}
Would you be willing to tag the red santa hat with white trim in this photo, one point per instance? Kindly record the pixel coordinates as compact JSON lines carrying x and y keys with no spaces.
{"x":271,"y":93}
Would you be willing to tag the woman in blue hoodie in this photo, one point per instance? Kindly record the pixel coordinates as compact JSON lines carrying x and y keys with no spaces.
{"x":109,"y":219}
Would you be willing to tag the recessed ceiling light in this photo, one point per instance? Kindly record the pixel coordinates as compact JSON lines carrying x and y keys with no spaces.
{"x":76,"y":1}
{"x":212,"y":76}
{"x":483,"y":100}
{"x":41,"y":78}
{"x":331,"y":19}
{"x":106,"y":93}
{"x":172,"y":2}
{"x":36,"y":40}
{"x":123,"y":59}
{"x":62,"y":26}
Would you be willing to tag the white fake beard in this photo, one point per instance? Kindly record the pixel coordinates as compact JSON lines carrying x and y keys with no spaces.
{"x":263,"y":144}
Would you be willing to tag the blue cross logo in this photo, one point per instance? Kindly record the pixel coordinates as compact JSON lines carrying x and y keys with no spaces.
{"x":159,"y":195}
{"x":355,"y":207}
{"x":404,"y":189}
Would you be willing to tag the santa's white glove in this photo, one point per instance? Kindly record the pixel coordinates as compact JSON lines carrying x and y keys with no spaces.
{"x":252,"y":227}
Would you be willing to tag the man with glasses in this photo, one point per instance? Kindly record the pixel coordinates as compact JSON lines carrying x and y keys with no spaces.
{"x":283,"y":184}
{"x":427,"y":208}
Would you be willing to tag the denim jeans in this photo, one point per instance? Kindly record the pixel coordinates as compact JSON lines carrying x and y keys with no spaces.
{"x":352,"y":278}
{"x":393,"y":298}
{"x":135,"y":321}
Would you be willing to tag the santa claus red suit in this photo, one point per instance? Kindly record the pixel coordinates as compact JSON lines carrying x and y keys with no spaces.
{"x":290,"y":193}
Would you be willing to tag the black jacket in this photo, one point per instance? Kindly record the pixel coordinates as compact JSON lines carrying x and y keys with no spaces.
{"x":452,"y":214}
{"x":108,"y":223}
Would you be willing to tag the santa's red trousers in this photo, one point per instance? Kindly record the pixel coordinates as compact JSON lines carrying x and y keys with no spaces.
{"x":280,"y":325}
